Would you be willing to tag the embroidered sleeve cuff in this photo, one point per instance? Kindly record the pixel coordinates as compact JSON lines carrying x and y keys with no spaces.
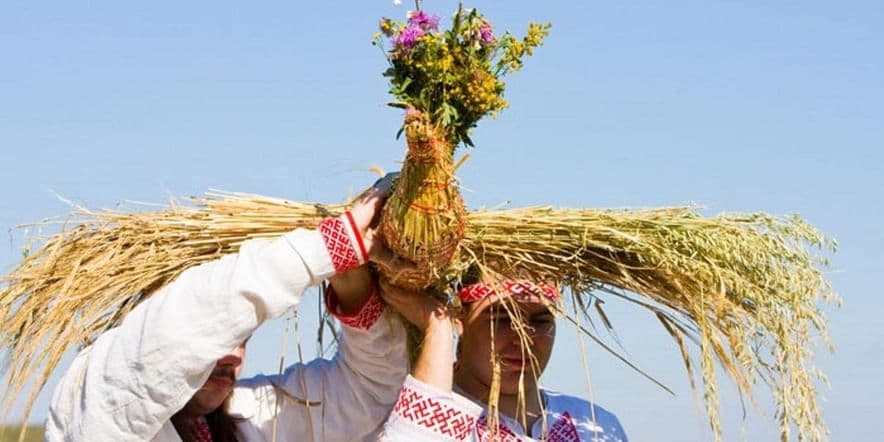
{"x":437,"y":414}
{"x":343,"y":242}
{"x":365,"y":316}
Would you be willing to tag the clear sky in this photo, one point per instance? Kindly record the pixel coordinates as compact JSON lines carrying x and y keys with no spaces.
{"x":736,"y":105}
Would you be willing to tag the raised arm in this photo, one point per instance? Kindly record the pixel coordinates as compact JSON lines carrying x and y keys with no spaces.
{"x":426,"y":408}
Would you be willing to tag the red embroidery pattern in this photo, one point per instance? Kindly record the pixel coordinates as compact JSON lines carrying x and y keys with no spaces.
{"x":563,"y":430}
{"x":369,"y":312}
{"x":203,"y":434}
{"x":339,"y":244}
{"x":433,"y":415}
{"x":521,"y":289}
{"x":504,"y":434}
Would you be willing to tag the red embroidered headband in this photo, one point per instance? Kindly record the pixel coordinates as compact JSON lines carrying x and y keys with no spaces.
{"x":522,"y":289}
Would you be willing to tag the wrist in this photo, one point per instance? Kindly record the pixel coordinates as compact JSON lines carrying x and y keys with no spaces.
{"x":363,"y":316}
{"x":435,"y":363}
{"x":438,"y":324}
{"x":352,"y":288}
{"x":343,"y":241}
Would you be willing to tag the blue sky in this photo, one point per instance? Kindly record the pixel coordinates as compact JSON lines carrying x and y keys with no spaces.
{"x":736,"y":105}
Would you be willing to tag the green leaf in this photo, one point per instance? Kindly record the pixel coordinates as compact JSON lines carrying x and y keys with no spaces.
{"x":405,"y":83}
{"x":444,"y":114}
{"x":467,"y":141}
{"x":455,"y":27}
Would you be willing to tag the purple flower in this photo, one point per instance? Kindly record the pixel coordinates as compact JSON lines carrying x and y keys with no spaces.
{"x":408,"y":37}
{"x":424,"y":21}
{"x":486,"y":35}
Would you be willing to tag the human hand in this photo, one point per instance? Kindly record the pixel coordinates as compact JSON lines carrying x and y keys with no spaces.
{"x":418,"y":308}
{"x":366,"y":213}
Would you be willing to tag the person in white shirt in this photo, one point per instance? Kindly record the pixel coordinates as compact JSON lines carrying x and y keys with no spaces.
{"x":168,"y":371}
{"x":446,"y":400}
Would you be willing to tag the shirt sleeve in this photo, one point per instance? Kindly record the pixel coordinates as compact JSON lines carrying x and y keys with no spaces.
{"x":136,"y":376}
{"x":571,"y":415}
{"x":343,"y":398}
{"x":423,"y":412}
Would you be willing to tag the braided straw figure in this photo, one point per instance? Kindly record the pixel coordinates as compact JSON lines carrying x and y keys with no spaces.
{"x":424,"y":219}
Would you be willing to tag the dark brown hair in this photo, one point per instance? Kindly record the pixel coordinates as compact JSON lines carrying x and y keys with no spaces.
{"x":222,"y":424}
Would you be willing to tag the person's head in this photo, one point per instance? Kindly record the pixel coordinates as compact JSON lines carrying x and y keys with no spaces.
{"x":510,"y":321}
{"x":219,"y":385}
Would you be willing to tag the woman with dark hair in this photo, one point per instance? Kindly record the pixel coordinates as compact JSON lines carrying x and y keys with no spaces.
{"x":507,"y":330}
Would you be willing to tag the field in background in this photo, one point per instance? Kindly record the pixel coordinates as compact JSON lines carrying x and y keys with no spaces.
{"x":9,"y":433}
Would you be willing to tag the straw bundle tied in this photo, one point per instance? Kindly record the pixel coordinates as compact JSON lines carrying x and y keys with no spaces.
{"x":745,"y":288}
{"x":423,"y":220}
